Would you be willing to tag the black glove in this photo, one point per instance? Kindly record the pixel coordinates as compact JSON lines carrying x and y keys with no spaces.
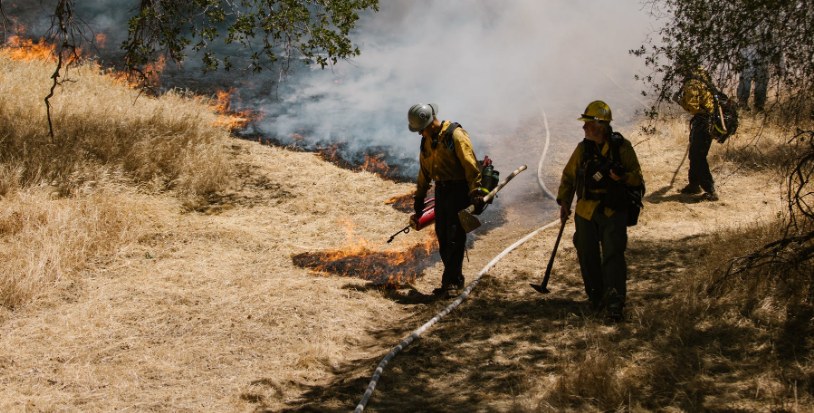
{"x":418,"y":207}
{"x":477,"y":202}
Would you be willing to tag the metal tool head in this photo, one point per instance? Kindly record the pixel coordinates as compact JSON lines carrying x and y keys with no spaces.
{"x":540,"y":288}
{"x":468,"y":221}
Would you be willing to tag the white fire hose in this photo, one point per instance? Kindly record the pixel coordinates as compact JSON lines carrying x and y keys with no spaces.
{"x":420,"y":330}
{"x":378,"y":373}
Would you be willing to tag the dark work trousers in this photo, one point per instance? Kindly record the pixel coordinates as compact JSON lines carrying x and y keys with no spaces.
{"x":758,"y":73}
{"x":451,"y":197}
{"x":601,"y":243}
{"x":700,"y":141}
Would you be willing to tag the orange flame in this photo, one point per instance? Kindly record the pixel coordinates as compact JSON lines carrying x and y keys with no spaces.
{"x":153,"y":70}
{"x":101,"y":38}
{"x":384,"y":269}
{"x":232,"y":119}
{"x":359,"y":259}
{"x":26,"y":50}
{"x":375,"y":164}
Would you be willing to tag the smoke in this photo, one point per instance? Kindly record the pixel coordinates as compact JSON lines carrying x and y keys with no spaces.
{"x":488,"y":65}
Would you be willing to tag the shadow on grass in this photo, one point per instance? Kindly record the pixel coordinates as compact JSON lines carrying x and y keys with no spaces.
{"x":503,"y":350}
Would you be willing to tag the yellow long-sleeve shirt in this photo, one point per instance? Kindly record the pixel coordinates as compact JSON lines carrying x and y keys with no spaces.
{"x":568,"y":184}
{"x":696,"y":97}
{"x":445,"y":164}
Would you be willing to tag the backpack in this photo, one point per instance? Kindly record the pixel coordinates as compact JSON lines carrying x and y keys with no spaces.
{"x":633,"y":194}
{"x":724,"y":119}
{"x":446,"y":139}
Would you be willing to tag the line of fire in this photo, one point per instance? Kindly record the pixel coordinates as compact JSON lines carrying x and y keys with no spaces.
{"x":383,"y":269}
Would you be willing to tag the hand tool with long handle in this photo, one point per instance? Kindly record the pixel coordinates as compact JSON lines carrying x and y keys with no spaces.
{"x":543,"y":288}
{"x":468,"y":221}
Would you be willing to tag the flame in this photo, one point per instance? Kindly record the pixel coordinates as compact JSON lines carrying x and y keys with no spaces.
{"x":359,"y":259}
{"x":26,"y":50}
{"x":152,"y":71}
{"x":229,"y":118}
{"x":101,"y":38}
{"x":385,"y":269}
{"x":376,"y":165}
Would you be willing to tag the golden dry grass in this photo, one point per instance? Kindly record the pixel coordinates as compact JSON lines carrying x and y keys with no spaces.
{"x":101,"y":127}
{"x":147,"y":302}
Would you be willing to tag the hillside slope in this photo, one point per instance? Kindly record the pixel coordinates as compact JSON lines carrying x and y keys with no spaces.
{"x":207,"y":311}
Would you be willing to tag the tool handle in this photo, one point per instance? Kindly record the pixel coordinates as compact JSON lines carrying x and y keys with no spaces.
{"x":503,"y":183}
{"x":553,"y":254}
{"x":721,"y":111}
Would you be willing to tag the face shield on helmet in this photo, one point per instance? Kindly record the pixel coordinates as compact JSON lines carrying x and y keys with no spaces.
{"x":420,"y":115}
{"x":596,"y":110}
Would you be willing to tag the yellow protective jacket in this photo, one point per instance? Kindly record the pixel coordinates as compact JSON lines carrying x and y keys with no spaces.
{"x":445,"y":164}
{"x":695,"y":95}
{"x":568,"y":185}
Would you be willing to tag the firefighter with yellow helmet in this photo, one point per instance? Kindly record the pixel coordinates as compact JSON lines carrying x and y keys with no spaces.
{"x":599,"y":169}
{"x":696,"y":98}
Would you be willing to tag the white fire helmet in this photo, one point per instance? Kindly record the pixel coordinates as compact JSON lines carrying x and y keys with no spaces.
{"x":420,"y":115}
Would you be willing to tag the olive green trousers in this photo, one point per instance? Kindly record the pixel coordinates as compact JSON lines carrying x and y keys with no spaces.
{"x":601,"y":243}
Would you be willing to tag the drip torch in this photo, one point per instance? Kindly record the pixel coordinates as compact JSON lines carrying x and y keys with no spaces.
{"x":418,"y":223}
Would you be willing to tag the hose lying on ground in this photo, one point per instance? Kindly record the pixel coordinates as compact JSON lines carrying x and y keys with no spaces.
{"x":542,"y":157}
{"x":378,"y":373}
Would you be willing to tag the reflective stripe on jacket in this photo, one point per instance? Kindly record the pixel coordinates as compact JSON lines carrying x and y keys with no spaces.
{"x":445,"y":164}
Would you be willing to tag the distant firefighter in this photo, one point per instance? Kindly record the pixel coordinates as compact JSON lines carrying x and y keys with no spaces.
{"x":695,"y":97}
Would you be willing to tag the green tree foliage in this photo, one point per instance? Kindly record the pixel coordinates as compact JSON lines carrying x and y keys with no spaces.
{"x":269,"y":33}
{"x":725,"y":36}
{"x":274,"y":32}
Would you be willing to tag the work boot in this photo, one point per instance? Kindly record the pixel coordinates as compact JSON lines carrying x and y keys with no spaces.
{"x":615,"y":313}
{"x":691,"y":189}
{"x":710,"y":196}
{"x":440,"y":291}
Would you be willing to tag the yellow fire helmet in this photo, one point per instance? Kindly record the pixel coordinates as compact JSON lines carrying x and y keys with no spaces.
{"x":597,"y":110}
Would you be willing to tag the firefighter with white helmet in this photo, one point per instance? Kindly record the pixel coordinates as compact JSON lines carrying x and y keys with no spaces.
{"x":598,"y":172}
{"x":446,"y":158}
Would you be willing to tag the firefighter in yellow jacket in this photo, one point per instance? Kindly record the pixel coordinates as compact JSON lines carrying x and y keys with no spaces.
{"x":695,"y":97}
{"x":597,"y":178}
{"x":447,"y":158}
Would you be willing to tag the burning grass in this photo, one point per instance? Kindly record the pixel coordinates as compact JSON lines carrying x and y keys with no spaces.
{"x":384,"y":269}
{"x":373,"y":159}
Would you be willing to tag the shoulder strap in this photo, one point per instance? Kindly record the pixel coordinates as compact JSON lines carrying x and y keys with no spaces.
{"x":448,"y":143}
{"x":616,"y":142}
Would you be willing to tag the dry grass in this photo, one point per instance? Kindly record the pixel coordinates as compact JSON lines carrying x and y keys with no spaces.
{"x":63,"y":206}
{"x":102,"y":126}
{"x":139,"y":300}
{"x":48,"y":243}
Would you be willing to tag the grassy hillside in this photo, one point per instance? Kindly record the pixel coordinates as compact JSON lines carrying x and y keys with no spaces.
{"x":149,"y":265}
{"x":71,"y":199}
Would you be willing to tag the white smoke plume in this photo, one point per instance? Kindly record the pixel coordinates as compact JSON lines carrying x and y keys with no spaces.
{"x":488,"y":64}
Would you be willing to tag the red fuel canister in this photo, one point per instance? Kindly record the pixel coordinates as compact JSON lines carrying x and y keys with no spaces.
{"x":427,"y":216}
